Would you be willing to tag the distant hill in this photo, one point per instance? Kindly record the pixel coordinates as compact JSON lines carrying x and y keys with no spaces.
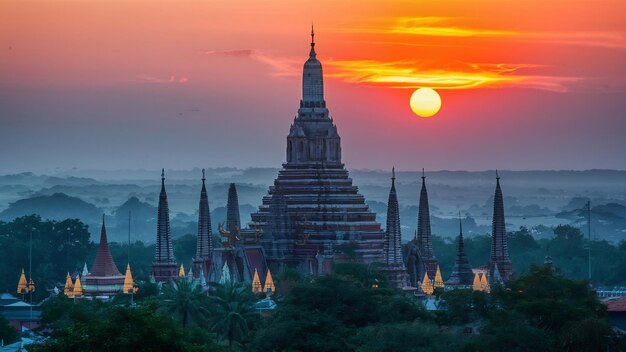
{"x":58,"y":206}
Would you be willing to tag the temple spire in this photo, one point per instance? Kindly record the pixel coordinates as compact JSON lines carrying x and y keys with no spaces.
{"x":164,"y":267}
{"x":204,"y":245}
{"x":424,"y":237}
{"x":462,"y":273}
{"x":104,"y":265}
{"x":499,"y":247}
{"x":233,"y":220}
{"x":394,"y":265}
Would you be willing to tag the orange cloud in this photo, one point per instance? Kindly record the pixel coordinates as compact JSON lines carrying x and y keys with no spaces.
{"x":408,"y":74}
{"x":448,"y":27}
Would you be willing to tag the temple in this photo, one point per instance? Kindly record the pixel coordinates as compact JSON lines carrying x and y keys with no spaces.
{"x":164,"y":267}
{"x":499,"y":265}
{"x":241,"y":253}
{"x":393,"y":263}
{"x":313,"y":216}
{"x":104,"y":279}
{"x":204,"y":248}
{"x":462,"y":275}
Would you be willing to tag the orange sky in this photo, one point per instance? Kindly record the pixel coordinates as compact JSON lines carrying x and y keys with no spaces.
{"x":513,"y":76}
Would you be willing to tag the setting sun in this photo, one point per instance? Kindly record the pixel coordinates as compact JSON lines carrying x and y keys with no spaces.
{"x":425,"y":102}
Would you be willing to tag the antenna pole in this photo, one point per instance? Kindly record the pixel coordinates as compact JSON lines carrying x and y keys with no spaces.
{"x":129,"y":213}
{"x":589,"y":235}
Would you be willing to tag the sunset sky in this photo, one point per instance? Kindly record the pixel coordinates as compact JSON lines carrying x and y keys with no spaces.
{"x":177,"y":84}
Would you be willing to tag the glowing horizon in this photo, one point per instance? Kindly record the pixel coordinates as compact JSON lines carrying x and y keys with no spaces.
{"x":138,"y":83}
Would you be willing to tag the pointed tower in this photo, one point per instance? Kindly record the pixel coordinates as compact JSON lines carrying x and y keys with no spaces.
{"x":438,"y":282}
{"x":462,"y":275}
{"x":313,"y":209}
{"x":164,"y":267}
{"x":499,"y":247}
{"x":269,"y":287}
{"x":69,"y":286}
{"x":394,"y":266}
{"x":77,"y":290}
{"x":129,"y":283}
{"x":204,"y":247}
{"x":476,"y":283}
{"x":484,"y":284}
{"x":103,"y":265}
{"x":181,"y":271}
{"x":104,"y":279}
{"x":427,"y":285}
{"x":424,"y":237}
{"x":233,"y":221}
{"x":22,"y":285}
{"x":256,"y":283}
{"x":225,"y":277}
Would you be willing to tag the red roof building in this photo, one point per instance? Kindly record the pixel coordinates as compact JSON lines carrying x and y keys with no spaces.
{"x":104,"y":279}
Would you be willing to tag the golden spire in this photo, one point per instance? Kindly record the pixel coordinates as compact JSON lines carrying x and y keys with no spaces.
{"x":256,"y":283}
{"x":438,"y":279}
{"x":181,"y":272}
{"x":22,"y":285}
{"x":129,"y":284}
{"x":484,"y":284}
{"x":476,"y":285}
{"x":78,"y":288}
{"x":269,"y":287}
{"x":69,"y":286}
{"x":427,"y":286}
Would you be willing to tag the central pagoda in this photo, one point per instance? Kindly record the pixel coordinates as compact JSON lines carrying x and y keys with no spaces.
{"x":313,"y":216}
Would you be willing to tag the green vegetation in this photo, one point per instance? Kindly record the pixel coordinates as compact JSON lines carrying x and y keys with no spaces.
{"x":540,"y":311}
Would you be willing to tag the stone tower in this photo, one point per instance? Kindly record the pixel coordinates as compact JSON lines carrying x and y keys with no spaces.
{"x":313,"y":216}
{"x":164,"y":267}
{"x":499,"y":258}
{"x":462,"y":274}
{"x":424,"y":236}
{"x":204,"y":247}
{"x":233,"y":220}
{"x":394,"y":265}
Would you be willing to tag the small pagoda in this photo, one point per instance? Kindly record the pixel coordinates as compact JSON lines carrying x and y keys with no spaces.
{"x":104,"y":280}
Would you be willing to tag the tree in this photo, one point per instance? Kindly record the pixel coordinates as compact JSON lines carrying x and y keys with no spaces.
{"x":8,"y":334}
{"x":127,"y":329}
{"x":232,"y":311}
{"x":186,"y":300}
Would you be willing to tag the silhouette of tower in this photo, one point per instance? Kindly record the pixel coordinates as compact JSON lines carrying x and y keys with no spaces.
{"x":313,"y":210}
{"x":462,"y":274}
{"x":233,"y":221}
{"x":499,"y":258}
{"x":164,"y":267}
{"x":424,"y":237}
{"x":394,"y":265}
{"x":204,"y":247}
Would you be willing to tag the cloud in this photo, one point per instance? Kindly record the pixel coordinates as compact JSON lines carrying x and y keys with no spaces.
{"x":160,"y":80}
{"x":410,"y":74}
{"x":449,"y":27}
{"x":279,"y":66}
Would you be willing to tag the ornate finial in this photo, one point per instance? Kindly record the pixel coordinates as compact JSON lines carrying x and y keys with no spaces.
{"x":423,"y":174}
{"x":203,"y":178}
{"x":497,"y":176}
{"x":102,"y":219}
{"x":460,"y":224}
{"x":312,"y":35}
{"x":393,"y":173}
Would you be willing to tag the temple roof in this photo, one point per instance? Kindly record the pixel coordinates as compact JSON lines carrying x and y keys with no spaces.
{"x":104,"y":265}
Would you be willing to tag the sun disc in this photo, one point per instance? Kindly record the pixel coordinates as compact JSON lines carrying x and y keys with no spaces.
{"x":425,"y":102}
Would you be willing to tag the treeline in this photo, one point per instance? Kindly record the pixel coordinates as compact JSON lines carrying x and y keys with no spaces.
{"x":352,"y":309}
{"x":60,"y":247}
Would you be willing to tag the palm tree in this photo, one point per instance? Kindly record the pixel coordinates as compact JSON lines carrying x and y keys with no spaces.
{"x":187,"y":300}
{"x":233,"y":311}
